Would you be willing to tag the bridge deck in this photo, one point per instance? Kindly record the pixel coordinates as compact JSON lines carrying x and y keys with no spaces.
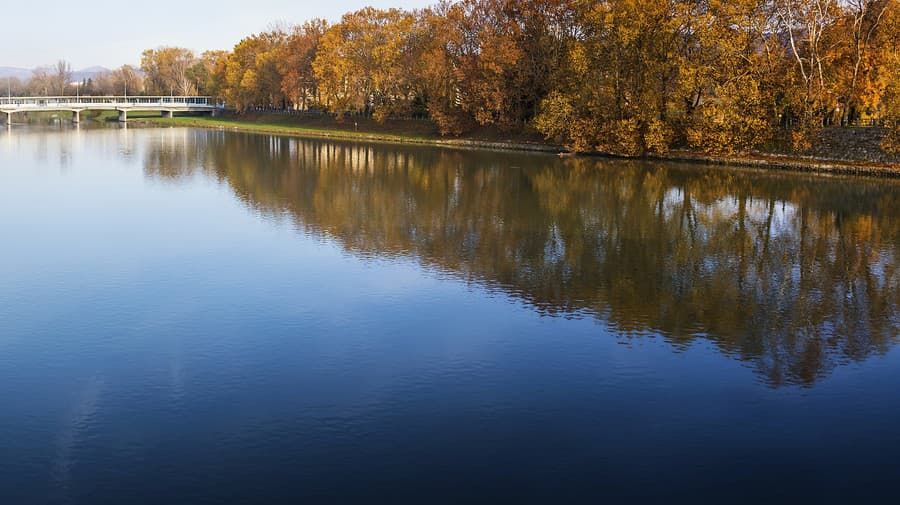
{"x":121,"y":103}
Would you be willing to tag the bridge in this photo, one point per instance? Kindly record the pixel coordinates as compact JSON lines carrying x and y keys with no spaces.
{"x":167,"y":105}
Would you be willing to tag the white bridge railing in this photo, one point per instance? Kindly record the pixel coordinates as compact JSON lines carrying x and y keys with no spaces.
{"x":50,"y":102}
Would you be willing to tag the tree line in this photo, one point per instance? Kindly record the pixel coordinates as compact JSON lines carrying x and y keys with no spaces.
{"x":627,"y":77}
{"x":59,"y":80}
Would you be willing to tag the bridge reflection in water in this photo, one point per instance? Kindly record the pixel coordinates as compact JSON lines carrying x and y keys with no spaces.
{"x":793,"y":275}
{"x":167,"y":105}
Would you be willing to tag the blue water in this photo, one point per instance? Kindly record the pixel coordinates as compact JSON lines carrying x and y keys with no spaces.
{"x":191,"y":316}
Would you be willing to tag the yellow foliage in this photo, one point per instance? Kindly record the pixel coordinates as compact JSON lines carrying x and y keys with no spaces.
{"x":732,"y":121}
{"x":891,"y":142}
{"x":658,"y":137}
{"x":621,"y":138}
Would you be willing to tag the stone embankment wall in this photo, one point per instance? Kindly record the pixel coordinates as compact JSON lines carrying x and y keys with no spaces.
{"x":852,"y":144}
{"x":854,"y":151}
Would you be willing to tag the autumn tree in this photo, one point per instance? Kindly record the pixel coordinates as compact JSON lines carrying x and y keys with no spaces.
{"x":168,"y":71}
{"x":123,"y":80}
{"x":888,"y":77}
{"x":504,"y":56}
{"x":439,"y":75}
{"x":61,"y":77}
{"x":126,"y":78}
{"x":808,"y":28}
{"x":41,"y":82}
{"x":858,"y":47}
{"x":252,"y":75}
{"x":363,"y":63}
{"x":299,"y":83}
{"x":214,"y":65}
{"x":620,"y":78}
{"x":728,"y":75}
{"x":14,"y":86}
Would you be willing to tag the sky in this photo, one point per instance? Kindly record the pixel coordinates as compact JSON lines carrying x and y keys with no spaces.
{"x":112,"y":33}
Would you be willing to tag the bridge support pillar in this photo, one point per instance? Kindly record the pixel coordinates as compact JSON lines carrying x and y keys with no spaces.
{"x":9,"y":116}
{"x":123,"y":116}
{"x":76,"y":116}
{"x":168,"y":114}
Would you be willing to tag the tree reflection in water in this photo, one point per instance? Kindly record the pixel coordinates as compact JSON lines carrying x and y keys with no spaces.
{"x":795,"y":275}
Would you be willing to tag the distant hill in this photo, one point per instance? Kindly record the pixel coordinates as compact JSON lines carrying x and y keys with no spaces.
{"x":18,"y":73}
{"x":77,"y":76}
{"x":88,"y":73}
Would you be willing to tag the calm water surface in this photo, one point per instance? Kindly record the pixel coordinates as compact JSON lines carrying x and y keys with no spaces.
{"x":199,"y":317}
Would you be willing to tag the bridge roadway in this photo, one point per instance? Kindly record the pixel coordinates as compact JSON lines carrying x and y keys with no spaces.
{"x":167,"y":105}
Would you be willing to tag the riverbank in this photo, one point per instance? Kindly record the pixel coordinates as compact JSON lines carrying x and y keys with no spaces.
{"x":424,"y":132}
{"x":394,"y":131}
{"x":790,"y":163}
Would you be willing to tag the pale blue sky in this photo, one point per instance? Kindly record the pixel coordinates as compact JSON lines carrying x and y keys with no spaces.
{"x":111,"y":33}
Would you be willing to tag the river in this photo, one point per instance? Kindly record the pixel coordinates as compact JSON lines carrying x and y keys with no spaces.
{"x":200,"y":316}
